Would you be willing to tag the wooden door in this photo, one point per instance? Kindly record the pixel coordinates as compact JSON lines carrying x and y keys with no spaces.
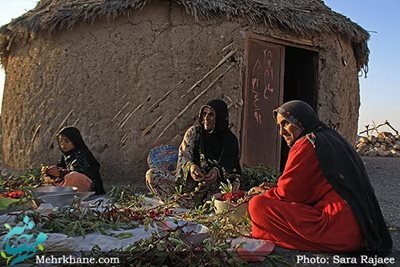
{"x":263,"y":91}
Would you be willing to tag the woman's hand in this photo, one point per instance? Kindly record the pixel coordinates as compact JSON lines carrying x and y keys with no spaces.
{"x":267,"y":185}
{"x":53,"y":171}
{"x":211,"y":176}
{"x":261,"y":188}
{"x":257,"y":190}
{"x":196,"y":173}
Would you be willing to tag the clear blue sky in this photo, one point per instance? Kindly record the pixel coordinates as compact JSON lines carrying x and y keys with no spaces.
{"x":380,"y":94}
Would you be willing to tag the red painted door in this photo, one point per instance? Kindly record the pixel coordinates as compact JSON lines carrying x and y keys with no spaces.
{"x":263,"y":92}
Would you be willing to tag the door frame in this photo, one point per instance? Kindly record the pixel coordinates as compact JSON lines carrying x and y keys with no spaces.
{"x":300,"y":43}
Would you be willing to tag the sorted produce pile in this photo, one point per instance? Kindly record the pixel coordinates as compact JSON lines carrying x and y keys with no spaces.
{"x":18,"y":187}
{"x":383,"y":144}
{"x":18,"y":182}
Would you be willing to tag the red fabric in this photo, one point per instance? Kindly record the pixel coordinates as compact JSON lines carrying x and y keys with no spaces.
{"x":304,"y":212}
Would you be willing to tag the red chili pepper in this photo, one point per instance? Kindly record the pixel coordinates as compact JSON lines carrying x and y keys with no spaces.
{"x":167,"y":211}
{"x":14,"y":194}
{"x":232,"y":196}
{"x":153,"y":214}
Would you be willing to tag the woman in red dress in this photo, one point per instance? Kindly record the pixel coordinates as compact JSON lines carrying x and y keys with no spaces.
{"x":323,"y":200}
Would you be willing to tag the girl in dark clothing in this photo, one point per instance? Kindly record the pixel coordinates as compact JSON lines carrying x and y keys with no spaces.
{"x":77,"y":166}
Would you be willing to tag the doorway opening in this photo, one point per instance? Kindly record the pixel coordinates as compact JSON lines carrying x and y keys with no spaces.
{"x":300,"y":82}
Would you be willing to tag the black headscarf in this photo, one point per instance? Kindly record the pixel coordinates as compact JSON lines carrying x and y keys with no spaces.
{"x":345,"y":171}
{"x":220,"y":144}
{"x":74,"y":135}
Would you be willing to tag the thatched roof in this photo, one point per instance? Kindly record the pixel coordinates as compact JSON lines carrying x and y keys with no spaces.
{"x":301,"y":17}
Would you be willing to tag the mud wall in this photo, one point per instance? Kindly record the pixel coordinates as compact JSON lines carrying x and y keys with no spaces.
{"x":125,"y":85}
{"x":339,"y":94}
{"x":121,"y":84}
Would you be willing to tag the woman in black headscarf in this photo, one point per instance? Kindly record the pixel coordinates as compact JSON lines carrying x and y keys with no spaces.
{"x":77,"y":165}
{"x":209,"y":153}
{"x":209,"y":150}
{"x":324,"y":200}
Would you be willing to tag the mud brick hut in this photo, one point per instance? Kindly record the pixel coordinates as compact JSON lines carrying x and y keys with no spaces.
{"x":131,"y":74}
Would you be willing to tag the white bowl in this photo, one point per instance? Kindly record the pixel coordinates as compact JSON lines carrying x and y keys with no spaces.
{"x":65,"y":199}
{"x":193,"y":233}
{"x":235,"y":211}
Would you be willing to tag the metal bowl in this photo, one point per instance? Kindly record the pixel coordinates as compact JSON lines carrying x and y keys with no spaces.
{"x":52,"y":190}
{"x":65,"y":198}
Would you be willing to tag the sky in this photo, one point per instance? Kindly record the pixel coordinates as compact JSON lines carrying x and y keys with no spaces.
{"x":380,"y":94}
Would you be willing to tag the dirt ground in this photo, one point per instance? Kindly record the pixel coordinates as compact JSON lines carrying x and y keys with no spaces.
{"x":384,"y":174}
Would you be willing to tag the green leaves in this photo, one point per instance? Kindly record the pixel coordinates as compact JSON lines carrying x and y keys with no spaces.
{"x":170,"y":249}
{"x":276,"y":260}
{"x":256,"y":175}
{"x":29,"y":179}
{"x":4,"y":256}
{"x":123,"y":195}
{"x":124,"y":235}
{"x":6,"y":202}
{"x":226,"y":188}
